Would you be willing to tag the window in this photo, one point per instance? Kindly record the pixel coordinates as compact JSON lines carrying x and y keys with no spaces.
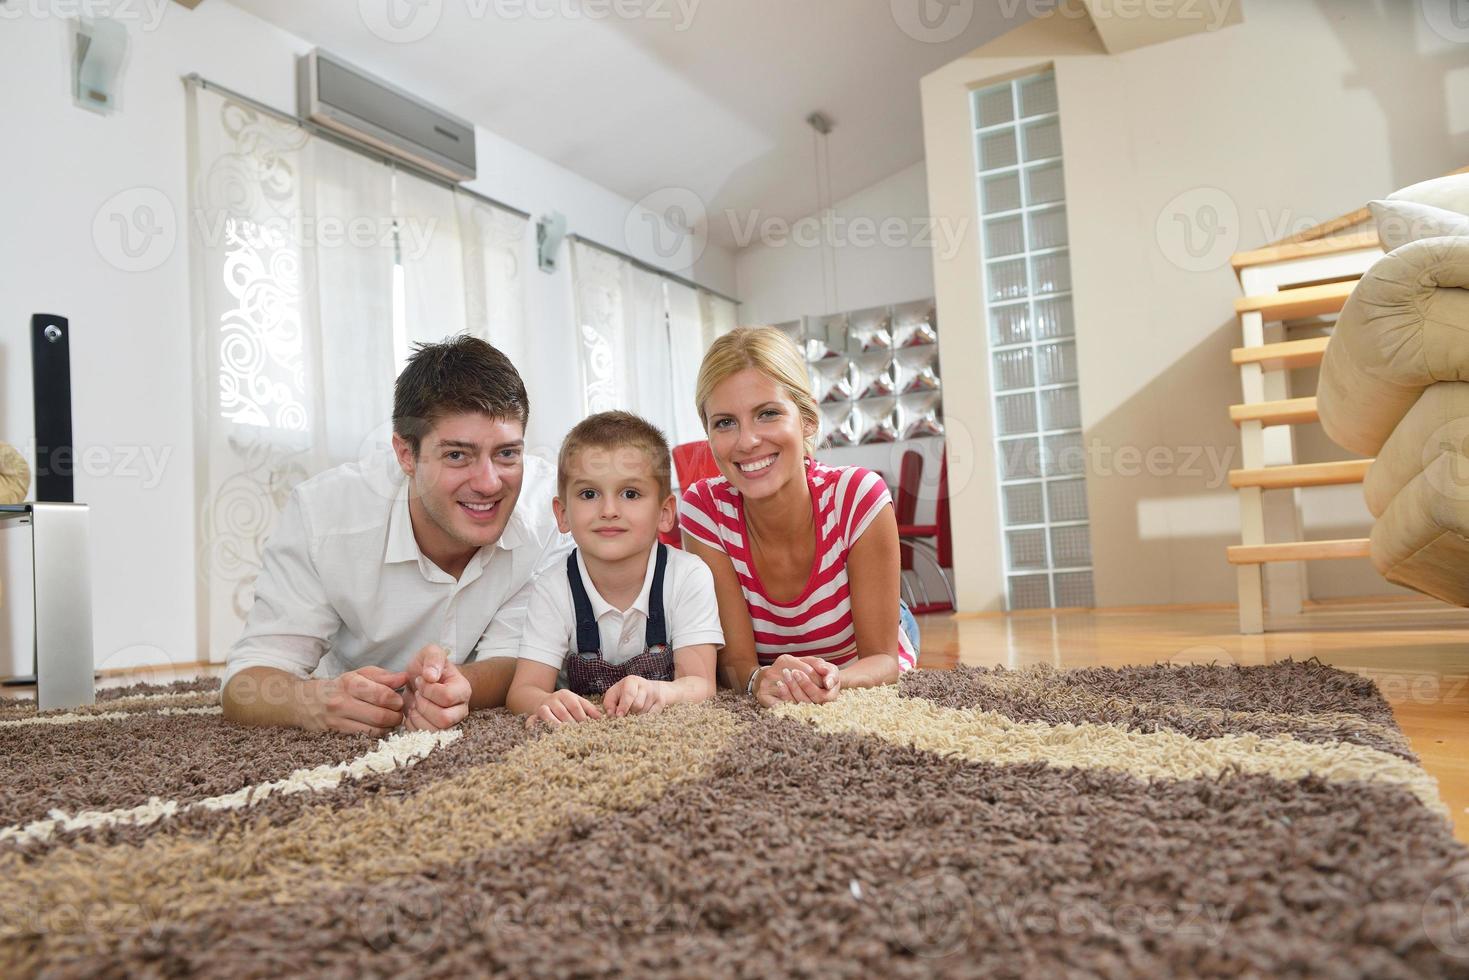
{"x":1027,"y":278}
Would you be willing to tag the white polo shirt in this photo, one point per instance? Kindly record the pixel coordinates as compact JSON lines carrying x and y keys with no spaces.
{"x":344,"y":585}
{"x":690,"y":612}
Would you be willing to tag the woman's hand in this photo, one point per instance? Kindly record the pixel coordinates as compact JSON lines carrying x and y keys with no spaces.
{"x":802,"y":680}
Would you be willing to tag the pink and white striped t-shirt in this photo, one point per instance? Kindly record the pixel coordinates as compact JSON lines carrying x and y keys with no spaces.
{"x":845,"y":499}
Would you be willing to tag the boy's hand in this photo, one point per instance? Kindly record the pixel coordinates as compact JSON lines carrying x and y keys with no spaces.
{"x":437,"y":693}
{"x":563,"y":707}
{"x":634,"y":695}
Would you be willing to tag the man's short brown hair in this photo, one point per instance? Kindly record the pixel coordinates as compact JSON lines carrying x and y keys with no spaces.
{"x":459,"y":375}
{"x":616,"y":430}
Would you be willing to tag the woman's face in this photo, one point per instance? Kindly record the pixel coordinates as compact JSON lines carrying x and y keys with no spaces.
{"x":755,"y":433}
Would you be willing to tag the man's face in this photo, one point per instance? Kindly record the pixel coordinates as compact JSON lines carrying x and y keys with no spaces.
{"x":467,"y":477}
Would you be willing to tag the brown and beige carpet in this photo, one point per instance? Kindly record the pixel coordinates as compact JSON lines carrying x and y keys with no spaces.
{"x":1150,"y":821}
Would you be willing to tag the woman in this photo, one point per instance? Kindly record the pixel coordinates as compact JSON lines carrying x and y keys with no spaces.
{"x":804,"y":555}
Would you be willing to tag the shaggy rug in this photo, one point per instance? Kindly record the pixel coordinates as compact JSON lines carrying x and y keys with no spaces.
{"x":1149,"y":821}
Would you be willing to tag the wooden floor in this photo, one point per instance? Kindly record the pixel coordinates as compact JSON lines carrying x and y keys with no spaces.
{"x":1416,"y":650}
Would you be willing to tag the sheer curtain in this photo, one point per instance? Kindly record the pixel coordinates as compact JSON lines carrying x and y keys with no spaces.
{"x":641,"y":338}
{"x":495,"y":244}
{"x":718,"y":315}
{"x":433,"y":267}
{"x":295,"y":245}
{"x":686,"y":348}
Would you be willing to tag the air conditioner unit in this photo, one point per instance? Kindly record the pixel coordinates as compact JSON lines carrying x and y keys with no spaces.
{"x":344,"y":98}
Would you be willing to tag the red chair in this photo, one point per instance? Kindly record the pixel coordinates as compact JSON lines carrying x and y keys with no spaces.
{"x":692,"y":462}
{"x":933,"y":541}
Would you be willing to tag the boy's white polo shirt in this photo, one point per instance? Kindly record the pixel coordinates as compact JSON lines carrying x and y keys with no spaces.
{"x":690,"y":611}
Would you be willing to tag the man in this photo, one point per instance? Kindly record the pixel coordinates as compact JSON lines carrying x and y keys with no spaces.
{"x":394,"y":593}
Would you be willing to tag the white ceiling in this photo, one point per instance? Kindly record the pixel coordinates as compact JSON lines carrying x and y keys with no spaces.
{"x":708,"y":96}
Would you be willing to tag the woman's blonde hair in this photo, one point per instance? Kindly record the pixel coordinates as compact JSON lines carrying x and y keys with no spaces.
{"x":774,"y":355}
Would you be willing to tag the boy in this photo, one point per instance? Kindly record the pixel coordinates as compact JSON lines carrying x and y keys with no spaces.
{"x":625,"y":618}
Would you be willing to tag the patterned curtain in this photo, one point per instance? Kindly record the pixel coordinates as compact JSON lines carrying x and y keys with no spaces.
{"x":295,"y":245}
{"x":641,"y":338}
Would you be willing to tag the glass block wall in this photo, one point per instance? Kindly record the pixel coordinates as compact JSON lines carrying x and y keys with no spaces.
{"x":1027,"y":274}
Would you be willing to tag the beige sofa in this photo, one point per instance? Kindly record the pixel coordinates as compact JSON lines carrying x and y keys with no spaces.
{"x":1395,"y":385}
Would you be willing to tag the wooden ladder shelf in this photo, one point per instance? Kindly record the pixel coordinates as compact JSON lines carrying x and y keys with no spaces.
{"x":1290,"y":281}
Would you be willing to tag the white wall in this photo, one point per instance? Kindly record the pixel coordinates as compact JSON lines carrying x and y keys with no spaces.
{"x":780,"y":277}
{"x":131,"y":369}
{"x":1302,"y":112}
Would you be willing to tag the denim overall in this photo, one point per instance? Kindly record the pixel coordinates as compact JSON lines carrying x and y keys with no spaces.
{"x":587,"y":673}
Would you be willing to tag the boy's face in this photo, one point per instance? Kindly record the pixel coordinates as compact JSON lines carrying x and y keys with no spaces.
{"x":466,"y":477}
{"x":611,"y":504}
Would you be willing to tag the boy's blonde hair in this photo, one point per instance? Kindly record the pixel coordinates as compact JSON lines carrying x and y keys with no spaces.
{"x":616,"y":430}
{"x":774,"y":355}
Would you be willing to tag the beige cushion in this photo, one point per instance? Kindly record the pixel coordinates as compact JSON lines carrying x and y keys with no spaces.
{"x":1401,"y":222}
{"x":15,"y":476}
{"x":1397,"y":334}
{"x":1422,"y":540}
{"x":1450,"y":193}
{"x":1437,"y":423}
